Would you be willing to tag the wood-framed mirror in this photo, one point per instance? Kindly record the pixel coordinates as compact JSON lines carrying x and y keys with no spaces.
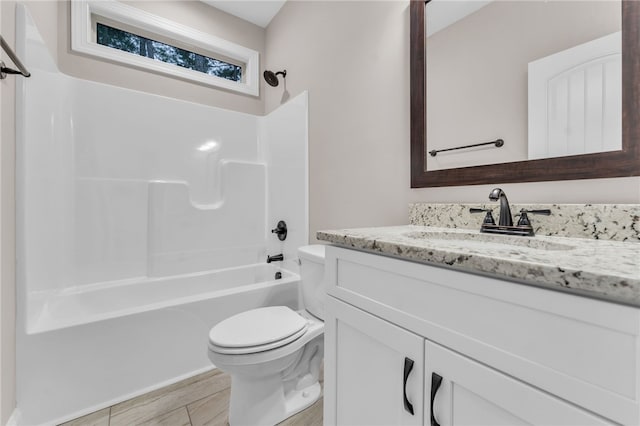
{"x":620,"y":163}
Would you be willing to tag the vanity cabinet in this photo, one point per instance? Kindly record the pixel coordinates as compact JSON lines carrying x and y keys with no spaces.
{"x":507,"y":353}
{"x":378,"y":365}
{"x":471,"y":393}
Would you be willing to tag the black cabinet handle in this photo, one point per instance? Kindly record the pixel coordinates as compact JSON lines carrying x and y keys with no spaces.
{"x":436,"y":381}
{"x":408,"y":366}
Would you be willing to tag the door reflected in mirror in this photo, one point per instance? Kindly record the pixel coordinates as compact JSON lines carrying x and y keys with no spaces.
{"x":544,"y":76}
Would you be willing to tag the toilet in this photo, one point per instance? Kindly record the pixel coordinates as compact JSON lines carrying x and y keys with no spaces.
{"x":273,"y":354}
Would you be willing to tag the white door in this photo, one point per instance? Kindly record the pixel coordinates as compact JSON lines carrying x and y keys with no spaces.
{"x":575,"y":100}
{"x":373,"y":370}
{"x":471,"y":393}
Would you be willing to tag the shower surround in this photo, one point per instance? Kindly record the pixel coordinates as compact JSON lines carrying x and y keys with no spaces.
{"x":142,"y":221}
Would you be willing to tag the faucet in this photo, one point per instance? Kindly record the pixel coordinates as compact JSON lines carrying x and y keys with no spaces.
{"x":505,"y":211}
{"x":275,"y":258}
{"x":505,"y":221}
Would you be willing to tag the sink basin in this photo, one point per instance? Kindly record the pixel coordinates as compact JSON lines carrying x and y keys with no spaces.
{"x":476,"y":238}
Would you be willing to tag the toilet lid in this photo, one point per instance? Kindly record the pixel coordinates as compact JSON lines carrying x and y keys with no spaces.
{"x":262,"y":327}
{"x":259,"y":348}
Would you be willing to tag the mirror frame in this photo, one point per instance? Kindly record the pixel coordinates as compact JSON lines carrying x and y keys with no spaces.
{"x":623,"y":163}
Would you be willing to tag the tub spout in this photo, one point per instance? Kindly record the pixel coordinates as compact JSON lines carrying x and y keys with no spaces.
{"x":275,"y":258}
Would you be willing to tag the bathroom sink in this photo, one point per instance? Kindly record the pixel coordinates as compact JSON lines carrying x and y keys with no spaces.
{"x":476,"y":238}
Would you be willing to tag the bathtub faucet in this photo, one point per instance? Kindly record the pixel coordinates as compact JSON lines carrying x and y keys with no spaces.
{"x":275,"y":258}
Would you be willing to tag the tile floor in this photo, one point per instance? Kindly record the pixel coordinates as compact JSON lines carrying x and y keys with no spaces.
{"x":197,"y":401}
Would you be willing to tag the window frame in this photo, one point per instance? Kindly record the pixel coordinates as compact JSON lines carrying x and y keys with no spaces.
{"x":85,"y":13}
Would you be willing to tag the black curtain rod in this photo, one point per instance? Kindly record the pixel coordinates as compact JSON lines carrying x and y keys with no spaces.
{"x":22,"y":70}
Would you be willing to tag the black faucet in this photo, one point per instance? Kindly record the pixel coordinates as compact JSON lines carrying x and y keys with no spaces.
{"x":505,"y":211}
{"x":505,"y":221}
{"x":275,"y":258}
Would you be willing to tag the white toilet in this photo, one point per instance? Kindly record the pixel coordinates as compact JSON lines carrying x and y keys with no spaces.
{"x":273,"y":354}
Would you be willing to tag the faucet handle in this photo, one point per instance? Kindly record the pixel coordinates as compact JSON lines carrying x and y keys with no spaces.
{"x":524,"y":219}
{"x":280,"y":230}
{"x":545,"y":212}
{"x":488,"y":218}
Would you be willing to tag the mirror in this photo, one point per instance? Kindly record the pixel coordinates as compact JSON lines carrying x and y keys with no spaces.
{"x":517,"y":161}
{"x":549,"y":93}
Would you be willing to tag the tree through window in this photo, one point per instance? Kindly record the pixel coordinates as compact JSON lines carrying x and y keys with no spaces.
{"x":138,"y":45}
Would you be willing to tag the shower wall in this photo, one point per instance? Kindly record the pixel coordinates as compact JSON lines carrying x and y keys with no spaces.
{"x":117,"y":186}
{"x":287,"y":162}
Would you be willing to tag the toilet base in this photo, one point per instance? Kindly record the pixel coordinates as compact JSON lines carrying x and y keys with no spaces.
{"x":302,"y":399}
{"x":266,"y":403}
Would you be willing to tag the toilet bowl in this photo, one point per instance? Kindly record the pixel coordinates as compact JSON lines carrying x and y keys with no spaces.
{"x":273,"y":354}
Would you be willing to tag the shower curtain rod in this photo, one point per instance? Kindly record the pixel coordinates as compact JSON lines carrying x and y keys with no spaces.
{"x":22,"y":70}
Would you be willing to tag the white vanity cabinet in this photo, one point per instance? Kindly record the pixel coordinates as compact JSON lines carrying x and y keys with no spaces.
{"x":371,"y":359}
{"x":471,"y":393}
{"x":507,"y":353}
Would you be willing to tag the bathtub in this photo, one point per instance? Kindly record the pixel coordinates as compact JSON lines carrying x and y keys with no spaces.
{"x":91,"y":347}
{"x":90,"y":303}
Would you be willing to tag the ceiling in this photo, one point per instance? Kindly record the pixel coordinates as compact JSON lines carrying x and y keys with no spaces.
{"x":442,"y":13}
{"x":259,"y":12}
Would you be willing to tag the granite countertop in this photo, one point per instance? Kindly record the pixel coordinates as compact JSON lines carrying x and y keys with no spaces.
{"x":603,"y":269}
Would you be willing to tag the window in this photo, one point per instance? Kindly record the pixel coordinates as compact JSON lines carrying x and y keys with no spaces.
{"x":138,"y":45}
{"x":125,"y":34}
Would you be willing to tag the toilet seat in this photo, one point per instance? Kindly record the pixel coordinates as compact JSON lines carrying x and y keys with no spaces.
{"x":257,"y":330}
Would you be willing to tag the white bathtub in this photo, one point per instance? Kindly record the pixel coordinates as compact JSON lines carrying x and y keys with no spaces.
{"x":90,"y":303}
{"x":96,"y":346}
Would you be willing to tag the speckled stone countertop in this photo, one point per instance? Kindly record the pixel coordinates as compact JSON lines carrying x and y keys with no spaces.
{"x":618,"y":222}
{"x":598,"y":268}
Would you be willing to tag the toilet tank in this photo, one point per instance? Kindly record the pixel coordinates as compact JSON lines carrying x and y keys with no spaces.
{"x":312,"y":276}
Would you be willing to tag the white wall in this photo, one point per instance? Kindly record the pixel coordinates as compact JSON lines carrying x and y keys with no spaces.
{"x":107,"y":177}
{"x":52,"y":18}
{"x":353,"y":58}
{"x":285,"y":131}
{"x":7,"y":231}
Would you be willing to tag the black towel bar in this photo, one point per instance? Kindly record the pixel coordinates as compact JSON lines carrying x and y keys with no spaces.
{"x":498,"y":143}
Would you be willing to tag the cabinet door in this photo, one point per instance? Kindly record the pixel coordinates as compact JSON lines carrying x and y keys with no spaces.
{"x":471,"y":393}
{"x":373,"y":370}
